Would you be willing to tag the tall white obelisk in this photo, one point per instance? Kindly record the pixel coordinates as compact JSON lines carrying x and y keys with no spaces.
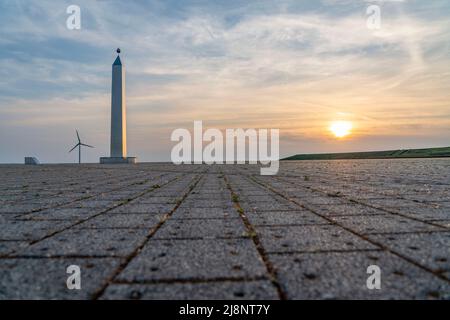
{"x":118,"y":116}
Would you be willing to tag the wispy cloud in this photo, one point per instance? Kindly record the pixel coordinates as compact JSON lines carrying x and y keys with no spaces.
{"x":288,"y":64}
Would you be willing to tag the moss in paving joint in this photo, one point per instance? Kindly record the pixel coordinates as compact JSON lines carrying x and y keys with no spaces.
{"x":251,"y":233}
{"x":334,"y":194}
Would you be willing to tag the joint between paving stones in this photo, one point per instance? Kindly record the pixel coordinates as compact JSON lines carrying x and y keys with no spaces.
{"x":93,"y":216}
{"x":259,"y":247}
{"x":380,"y":245}
{"x":153,"y":230}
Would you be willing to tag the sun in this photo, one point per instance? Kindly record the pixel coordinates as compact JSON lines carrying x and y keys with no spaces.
{"x":341,"y":129}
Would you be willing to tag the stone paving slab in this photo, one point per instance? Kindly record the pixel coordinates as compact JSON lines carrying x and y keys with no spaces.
{"x":7,"y":247}
{"x":343,"y":275}
{"x":46,"y":278}
{"x":268,"y":206}
{"x":29,"y":230}
{"x":103,"y":204}
{"x":194,"y":259}
{"x":228,"y":290}
{"x":118,"y":220}
{"x":145,"y":208}
{"x":87,"y":242}
{"x":22,"y":208}
{"x":442,"y":223}
{"x":415,"y":246}
{"x":346,"y":210}
{"x":207,"y":203}
{"x":150,"y":199}
{"x":284,"y":218}
{"x":383,"y":224}
{"x":426,"y":213}
{"x":160,"y":231}
{"x":205,"y":213}
{"x":310,"y":238}
{"x":210,"y":229}
{"x":317,"y":200}
{"x":60,"y":214}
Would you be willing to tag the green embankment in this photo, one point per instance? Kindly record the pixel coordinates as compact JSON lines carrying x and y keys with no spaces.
{"x":390,"y":154}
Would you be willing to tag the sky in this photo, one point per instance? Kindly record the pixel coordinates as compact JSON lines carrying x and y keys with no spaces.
{"x":291,"y":65}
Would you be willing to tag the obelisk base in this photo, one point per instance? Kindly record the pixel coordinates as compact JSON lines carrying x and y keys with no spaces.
{"x":118,"y":160}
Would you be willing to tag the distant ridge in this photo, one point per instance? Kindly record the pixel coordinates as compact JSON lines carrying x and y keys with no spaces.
{"x":389,"y":154}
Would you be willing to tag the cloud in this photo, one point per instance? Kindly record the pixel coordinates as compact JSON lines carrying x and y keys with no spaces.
{"x":290,"y":64}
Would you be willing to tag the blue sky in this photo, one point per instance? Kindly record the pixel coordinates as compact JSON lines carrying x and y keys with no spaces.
{"x":293,"y":65}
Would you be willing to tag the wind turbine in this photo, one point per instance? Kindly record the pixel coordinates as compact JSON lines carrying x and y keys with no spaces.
{"x":79,"y":144}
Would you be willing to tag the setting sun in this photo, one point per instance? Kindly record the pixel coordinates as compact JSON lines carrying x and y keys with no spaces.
{"x":340,"y":128}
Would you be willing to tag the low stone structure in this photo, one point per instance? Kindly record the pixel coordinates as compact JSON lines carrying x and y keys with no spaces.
{"x":32,"y":161}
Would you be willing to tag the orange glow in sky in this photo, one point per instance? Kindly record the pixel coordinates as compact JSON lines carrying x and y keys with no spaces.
{"x":341,"y":129}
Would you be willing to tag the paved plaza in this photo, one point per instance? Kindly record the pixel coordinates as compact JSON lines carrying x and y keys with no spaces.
{"x":161,"y":231}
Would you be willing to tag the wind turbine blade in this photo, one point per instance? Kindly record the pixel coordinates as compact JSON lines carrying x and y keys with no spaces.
{"x":78,"y":136}
{"x":86,"y":145}
{"x":74,"y":147}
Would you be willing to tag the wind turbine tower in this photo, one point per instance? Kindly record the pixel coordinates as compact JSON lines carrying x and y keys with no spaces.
{"x":79,"y":144}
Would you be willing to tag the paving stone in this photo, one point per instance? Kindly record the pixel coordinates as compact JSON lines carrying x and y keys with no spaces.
{"x":392,"y":203}
{"x":127,"y":220}
{"x":165,"y":192}
{"x":269,"y":206}
{"x":442,"y":223}
{"x":161,"y":200}
{"x":46,"y":278}
{"x":61,"y":214}
{"x":261,"y":197}
{"x":315,"y":200}
{"x":345,"y":209}
{"x":118,"y":196}
{"x":20,"y":208}
{"x":7,"y":247}
{"x":211,"y":203}
{"x":88,"y":242}
{"x":205,"y":213}
{"x":195,"y":259}
{"x":30,"y":230}
{"x":247,"y":193}
{"x":343,"y":275}
{"x":424,"y":213}
{"x":383,"y":224}
{"x":105,"y":204}
{"x":417,"y":247}
{"x":206,"y":229}
{"x":144,"y":208}
{"x":223,"y":290}
{"x":309,"y":238}
{"x":284,"y":218}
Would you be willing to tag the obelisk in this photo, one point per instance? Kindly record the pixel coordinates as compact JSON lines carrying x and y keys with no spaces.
{"x":118,"y":116}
